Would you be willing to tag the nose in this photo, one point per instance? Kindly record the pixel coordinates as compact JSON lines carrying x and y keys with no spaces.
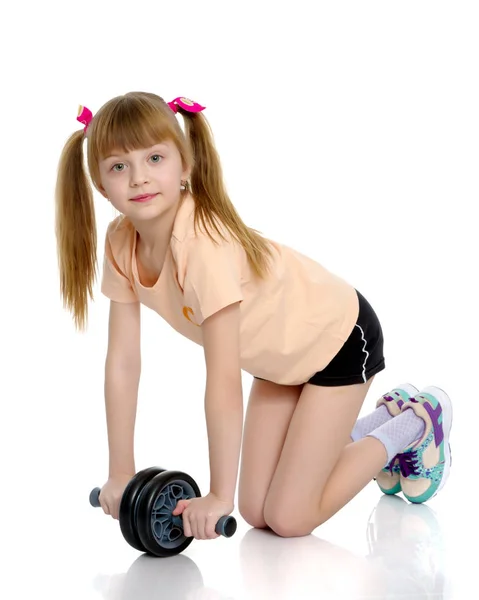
{"x":139,"y":176}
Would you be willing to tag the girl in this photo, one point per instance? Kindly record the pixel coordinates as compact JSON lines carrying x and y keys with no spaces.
{"x":312,"y":342}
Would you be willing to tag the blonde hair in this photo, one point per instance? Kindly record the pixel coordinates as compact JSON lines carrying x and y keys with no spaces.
{"x":133,"y":121}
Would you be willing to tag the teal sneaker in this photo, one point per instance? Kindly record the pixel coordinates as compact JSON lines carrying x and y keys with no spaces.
{"x":425,"y":464}
{"x":388,"y":479}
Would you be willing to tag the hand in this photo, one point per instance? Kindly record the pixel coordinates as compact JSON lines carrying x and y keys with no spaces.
{"x":200,"y":515}
{"x":111,"y":493}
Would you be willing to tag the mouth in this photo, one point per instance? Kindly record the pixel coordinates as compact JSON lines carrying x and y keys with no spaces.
{"x":143,"y":198}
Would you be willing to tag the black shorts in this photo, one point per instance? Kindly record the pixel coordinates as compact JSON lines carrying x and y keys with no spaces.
{"x":361,"y":356}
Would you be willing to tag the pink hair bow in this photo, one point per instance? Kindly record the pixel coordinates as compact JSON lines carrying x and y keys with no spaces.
{"x":84,"y":116}
{"x":186,"y":104}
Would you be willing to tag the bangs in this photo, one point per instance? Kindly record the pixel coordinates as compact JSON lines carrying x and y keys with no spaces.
{"x":131,"y":124}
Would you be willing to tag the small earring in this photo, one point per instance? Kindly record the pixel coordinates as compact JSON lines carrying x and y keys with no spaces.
{"x":184,"y":185}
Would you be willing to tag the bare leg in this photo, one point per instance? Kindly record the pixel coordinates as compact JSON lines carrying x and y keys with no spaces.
{"x":320,"y":470}
{"x":270,"y":409}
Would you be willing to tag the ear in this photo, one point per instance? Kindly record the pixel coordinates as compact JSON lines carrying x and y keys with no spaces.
{"x":186,"y":174}
{"x":102,"y":192}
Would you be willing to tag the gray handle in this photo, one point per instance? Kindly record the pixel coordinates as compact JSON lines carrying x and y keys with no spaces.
{"x":226,"y":526}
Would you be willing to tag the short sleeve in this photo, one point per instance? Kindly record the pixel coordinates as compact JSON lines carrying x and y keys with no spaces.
{"x":212,"y":276}
{"x":115,"y":284}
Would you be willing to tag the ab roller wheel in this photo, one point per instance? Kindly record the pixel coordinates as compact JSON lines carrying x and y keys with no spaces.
{"x":145,"y":515}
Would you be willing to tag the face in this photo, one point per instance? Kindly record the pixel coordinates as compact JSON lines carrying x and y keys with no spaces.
{"x":155,"y":171}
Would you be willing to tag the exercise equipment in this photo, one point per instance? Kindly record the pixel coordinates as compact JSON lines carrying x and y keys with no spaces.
{"x":146,"y":506}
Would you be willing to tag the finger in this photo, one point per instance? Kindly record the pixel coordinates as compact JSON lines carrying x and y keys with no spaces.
{"x":186,"y":525}
{"x":202,"y":527}
{"x":193,"y":527}
{"x":180,"y":507}
{"x":196,"y":528}
{"x":210,"y":528}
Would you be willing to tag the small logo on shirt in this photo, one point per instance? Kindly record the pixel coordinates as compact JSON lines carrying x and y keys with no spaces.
{"x":187,"y":311}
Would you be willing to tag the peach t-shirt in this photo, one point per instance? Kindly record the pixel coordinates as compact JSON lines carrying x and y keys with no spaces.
{"x":292,"y":323}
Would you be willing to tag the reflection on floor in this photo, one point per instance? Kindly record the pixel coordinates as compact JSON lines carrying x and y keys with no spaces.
{"x":404,"y":559}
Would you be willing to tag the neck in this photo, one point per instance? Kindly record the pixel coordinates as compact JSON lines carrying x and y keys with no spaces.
{"x":155,"y":234}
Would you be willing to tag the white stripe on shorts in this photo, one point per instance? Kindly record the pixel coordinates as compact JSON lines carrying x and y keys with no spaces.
{"x":365,"y":351}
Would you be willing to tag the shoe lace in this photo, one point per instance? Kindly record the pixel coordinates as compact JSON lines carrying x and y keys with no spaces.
{"x":408,"y":463}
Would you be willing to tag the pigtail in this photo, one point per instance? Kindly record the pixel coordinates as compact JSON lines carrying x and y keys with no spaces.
{"x":211,"y":199}
{"x":75,"y":229}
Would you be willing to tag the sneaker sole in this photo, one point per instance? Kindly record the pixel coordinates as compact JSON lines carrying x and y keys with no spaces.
{"x":409,"y":388}
{"x":391,"y":491}
{"x":405,"y":387}
{"x":447,"y":412}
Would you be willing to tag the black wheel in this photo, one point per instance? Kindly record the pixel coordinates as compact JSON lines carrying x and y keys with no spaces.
{"x":160,"y":532}
{"x":129,"y":506}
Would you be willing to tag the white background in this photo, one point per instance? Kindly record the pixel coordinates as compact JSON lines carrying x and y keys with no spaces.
{"x":348,"y":130}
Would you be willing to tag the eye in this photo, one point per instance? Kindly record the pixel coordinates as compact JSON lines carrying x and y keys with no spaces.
{"x":122,"y":164}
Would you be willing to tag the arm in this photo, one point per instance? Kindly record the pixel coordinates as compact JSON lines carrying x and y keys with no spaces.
{"x":122,"y":376}
{"x":223,"y":399}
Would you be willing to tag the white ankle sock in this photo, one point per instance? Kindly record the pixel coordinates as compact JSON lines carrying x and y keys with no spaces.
{"x":370,"y":422}
{"x":399,"y":432}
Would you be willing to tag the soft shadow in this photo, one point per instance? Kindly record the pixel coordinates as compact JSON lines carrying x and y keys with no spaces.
{"x":149,"y":578}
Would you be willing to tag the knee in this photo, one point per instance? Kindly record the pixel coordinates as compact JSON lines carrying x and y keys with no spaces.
{"x":287,"y":524}
{"x":288,"y":529}
{"x":253,"y":516}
